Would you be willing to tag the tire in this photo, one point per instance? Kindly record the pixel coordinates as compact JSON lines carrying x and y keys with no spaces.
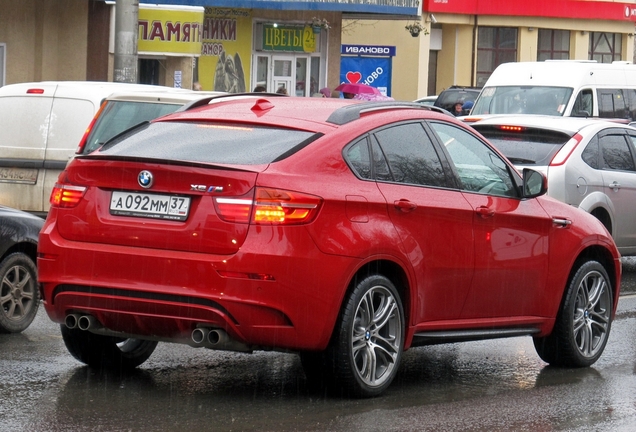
{"x":583,"y":324}
{"x":19,"y":295}
{"x":99,"y":351}
{"x":367,"y":346}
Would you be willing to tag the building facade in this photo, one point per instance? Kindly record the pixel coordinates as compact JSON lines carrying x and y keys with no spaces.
{"x":464,"y":40}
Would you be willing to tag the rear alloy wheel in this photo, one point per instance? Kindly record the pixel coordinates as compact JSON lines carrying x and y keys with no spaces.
{"x":101,"y":351}
{"x":583,"y":323}
{"x":19,"y":296}
{"x":368,"y":345}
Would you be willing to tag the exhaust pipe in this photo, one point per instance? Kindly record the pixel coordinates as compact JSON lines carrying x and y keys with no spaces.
{"x":87,"y":322}
{"x":217,"y":339}
{"x":71,"y":320}
{"x":200,"y":335}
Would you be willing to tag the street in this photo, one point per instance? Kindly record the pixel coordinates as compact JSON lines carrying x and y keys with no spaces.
{"x":498,"y":385}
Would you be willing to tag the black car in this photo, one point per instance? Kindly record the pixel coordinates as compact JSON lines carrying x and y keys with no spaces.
{"x":456,"y":94}
{"x":19,"y":295}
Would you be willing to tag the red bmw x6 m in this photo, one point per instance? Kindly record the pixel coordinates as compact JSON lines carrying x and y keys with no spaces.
{"x":345,"y":231}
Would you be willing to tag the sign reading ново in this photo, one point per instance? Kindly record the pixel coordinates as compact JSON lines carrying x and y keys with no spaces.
{"x":289,"y":38}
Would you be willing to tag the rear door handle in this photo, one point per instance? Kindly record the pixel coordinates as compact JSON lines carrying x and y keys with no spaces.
{"x":615,"y":185}
{"x":404,"y":205}
{"x":485,"y":212}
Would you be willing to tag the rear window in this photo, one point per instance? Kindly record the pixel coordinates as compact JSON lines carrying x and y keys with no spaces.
{"x":119,"y":116}
{"x":232,"y":144}
{"x":525,"y":146}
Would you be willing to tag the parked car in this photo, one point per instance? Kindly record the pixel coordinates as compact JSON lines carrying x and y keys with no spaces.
{"x":345,"y":231}
{"x":590,"y":164}
{"x":124,"y":110}
{"x":19,"y":295}
{"x":41,"y":124}
{"x":427,"y":100}
{"x":453,"y":95}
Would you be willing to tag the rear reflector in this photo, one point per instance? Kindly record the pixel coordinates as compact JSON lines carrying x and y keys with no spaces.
{"x":66,"y":196}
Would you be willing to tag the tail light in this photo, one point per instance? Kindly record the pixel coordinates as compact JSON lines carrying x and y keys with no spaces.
{"x":565,"y":152}
{"x":270,"y":207}
{"x":511,"y":128}
{"x":82,"y":143}
{"x":66,"y":196}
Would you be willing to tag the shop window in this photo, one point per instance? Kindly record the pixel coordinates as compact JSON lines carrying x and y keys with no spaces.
{"x":496,"y":45}
{"x":605,"y":47}
{"x":553,"y":45}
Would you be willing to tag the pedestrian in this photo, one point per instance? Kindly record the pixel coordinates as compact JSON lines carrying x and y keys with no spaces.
{"x":197,"y":86}
{"x":259,"y":89}
{"x":326,"y":92}
{"x":281,"y":90}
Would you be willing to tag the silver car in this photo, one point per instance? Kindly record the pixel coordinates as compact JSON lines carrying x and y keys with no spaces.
{"x":589,"y":163}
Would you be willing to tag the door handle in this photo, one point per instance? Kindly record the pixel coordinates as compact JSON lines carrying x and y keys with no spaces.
{"x":404,"y":205}
{"x":485,"y":212}
{"x":615,"y":186}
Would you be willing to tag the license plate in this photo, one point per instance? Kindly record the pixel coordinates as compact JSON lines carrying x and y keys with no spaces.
{"x":150,"y":205}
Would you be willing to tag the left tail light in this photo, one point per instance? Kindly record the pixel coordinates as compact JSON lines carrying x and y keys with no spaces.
{"x":66,"y":196}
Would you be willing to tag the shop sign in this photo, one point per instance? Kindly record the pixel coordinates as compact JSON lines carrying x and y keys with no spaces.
{"x":288,"y":38}
{"x":170,"y":32}
{"x":226,"y":49}
{"x":368,"y":50}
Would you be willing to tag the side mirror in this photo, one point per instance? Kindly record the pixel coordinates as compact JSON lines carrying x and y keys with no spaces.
{"x":534,"y":183}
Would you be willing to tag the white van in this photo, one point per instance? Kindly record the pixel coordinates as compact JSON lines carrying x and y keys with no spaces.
{"x":41,"y":125}
{"x":569,"y":88}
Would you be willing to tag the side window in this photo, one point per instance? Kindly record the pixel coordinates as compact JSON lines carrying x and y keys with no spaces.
{"x":359,"y":159}
{"x":584,"y":104}
{"x":611,"y":103}
{"x":616,"y":154}
{"x":480,"y":169}
{"x":591,"y":153}
{"x":411,"y":155}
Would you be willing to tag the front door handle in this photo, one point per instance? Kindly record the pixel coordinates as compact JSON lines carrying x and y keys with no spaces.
{"x":615,"y":186}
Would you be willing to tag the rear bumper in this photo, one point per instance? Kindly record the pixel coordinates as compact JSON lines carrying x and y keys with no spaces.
{"x":282,"y":295}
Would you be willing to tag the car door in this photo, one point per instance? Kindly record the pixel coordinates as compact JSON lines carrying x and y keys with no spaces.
{"x":433,"y":219}
{"x":619,"y":183}
{"x":510,"y":234}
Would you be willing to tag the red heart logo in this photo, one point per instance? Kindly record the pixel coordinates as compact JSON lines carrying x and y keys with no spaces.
{"x":353,"y":77}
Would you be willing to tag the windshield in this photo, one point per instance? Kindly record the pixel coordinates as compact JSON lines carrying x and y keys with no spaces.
{"x":522,"y":100}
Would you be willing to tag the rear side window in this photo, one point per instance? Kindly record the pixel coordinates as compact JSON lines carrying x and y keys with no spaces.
{"x":524,"y":146}
{"x":208,"y":143}
{"x":119,"y":116}
{"x":616,"y":154}
{"x":411,"y":155}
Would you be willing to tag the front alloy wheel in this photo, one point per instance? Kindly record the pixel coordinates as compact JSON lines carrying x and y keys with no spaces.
{"x":370,"y":339}
{"x":583,"y":324}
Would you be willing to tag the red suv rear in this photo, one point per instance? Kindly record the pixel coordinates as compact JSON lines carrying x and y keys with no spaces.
{"x":347,"y":232}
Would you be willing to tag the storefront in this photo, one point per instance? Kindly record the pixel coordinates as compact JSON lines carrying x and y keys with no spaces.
{"x":168,"y":44}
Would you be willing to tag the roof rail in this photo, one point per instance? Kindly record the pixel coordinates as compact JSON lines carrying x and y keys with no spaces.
{"x":206,"y":100}
{"x":350,"y":113}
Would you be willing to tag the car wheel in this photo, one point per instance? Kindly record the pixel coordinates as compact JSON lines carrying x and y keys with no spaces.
{"x":19,"y":296}
{"x":583,"y":323}
{"x":101,"y":351}
{"x":367,"y":347}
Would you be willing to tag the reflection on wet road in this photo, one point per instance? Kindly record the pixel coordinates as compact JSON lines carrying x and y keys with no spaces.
{"x":499,"y":385}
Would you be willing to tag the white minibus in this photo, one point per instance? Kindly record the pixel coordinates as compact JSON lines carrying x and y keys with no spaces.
{"x":569,"y":88}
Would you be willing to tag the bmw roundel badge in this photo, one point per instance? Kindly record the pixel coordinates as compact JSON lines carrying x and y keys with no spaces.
{"x":145,"y":179}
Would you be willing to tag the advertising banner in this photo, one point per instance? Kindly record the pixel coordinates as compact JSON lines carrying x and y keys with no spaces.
{"x":226,"y":50}
{"x":373,"y":71}
{"x":169,"y":32}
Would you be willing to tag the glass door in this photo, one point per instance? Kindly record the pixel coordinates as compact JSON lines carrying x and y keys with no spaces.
{"x":282,"y":75}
